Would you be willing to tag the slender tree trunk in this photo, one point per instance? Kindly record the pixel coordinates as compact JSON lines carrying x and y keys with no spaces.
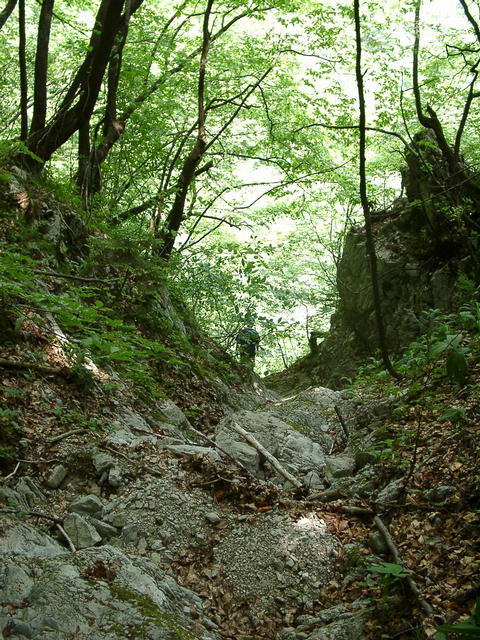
{"x":7,"y":12}
{"x":41,"y":67}
{"x":174,"y":219}
{"x":89,"y":176}
{"x":365,"y":204}
{"x":431,"y":121}
{"x":83,"y":180}
{"x":23,"y":70}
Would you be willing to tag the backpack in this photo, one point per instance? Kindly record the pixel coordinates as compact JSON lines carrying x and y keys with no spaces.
{"x":248,"y":339}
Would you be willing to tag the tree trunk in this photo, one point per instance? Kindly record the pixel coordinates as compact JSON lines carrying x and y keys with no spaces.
{"x":85,"y":86}
{"x":23,"y":71}
{"x":41,"y":66}
{"x":89,"y":174}
{"x":365,"y":204}
{"x":174,"y":219}
{"x":117,"y":126}
{"x":7,"y":12}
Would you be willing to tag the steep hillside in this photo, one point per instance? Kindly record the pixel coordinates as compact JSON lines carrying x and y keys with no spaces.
{"x":152,"y":488}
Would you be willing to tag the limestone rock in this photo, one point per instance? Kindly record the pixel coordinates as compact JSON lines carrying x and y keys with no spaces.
{"x":90,"y":505}
{"x":440,"y":493}
{"x":172,"y":413}
{"x":56,"y":476}
{"x":115,"y":477}
{"x":15,"y":584}
{"x":390,"y":492}
{"x":81,"y":533}
{"x":339,"y":467}
{"x":103,"y":528}
{"x":102,"y":461}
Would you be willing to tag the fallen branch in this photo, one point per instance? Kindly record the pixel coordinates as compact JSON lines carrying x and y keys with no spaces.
{"x":152,"y":433}
{"x":65,"y":535}
{"x":66,"y":372}
{"x":35,"y":514}
{"x":412,"y":587}
{"x":10,"y":475}
{"x":334,"y":493}
{"x":353,"y":510}
{"x":267,"y":455}
{"x":342,"y":422}
{"x":67,"y":434}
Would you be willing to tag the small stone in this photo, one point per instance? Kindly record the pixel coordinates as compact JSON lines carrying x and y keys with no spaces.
{"x":130,"y":532}
{"x":439,"y":494}
{"x":102,"y":462}
{"x":103,"y":528}
{"x":81,"y":533}
{"x":390,"y":492}
{"x":213,"y":517}
{"x":339,"y":467}
{"x":377,"y":543}
{"x":119,"y":520}
{"x":57,"y":476}
{"x":313,"y":481}
{"x":86,"y":505}
{"x":115,"y":477}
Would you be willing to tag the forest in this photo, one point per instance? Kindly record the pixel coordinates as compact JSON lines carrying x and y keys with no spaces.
{"x":173,"y":172}
{"x":218,"y":140}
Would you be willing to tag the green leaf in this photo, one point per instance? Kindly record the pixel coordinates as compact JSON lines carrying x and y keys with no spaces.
{"x":456,"y":367}
{"x":18,"y":323}
{"x":454,"y":414}
{"x":389,"y":568}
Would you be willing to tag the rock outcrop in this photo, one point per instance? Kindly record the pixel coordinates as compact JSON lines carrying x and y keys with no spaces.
{"x":422,"y":247}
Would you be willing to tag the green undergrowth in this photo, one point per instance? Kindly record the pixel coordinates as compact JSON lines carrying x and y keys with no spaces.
{"x":445,"y":353}
{"x":109,"y":298}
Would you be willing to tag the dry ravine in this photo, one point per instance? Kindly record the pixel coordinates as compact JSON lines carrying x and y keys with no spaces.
{"x":127,"y":527}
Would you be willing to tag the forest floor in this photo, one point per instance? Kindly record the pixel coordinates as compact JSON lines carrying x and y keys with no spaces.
{"x":431,"y":443}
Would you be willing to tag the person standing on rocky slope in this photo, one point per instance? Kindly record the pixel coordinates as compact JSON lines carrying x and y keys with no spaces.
{"x":247,"y":345}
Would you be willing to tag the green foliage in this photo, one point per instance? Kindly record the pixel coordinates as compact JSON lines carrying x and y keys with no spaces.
{"x":455,"y":415}
{"x":457,"y":367}
{"x":442,"y":352}
{"x":468,"y":630}
{"x":10,"y":432}
{"x":391,"y":575}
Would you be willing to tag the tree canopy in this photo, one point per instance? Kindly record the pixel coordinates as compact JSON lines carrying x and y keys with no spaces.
{"x":222,"y":136}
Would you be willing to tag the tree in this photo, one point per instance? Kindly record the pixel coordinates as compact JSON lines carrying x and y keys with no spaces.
{"x":81,"y":96}
{"x":364,"y":199}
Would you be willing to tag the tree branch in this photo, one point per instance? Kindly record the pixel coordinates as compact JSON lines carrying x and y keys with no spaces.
{"x":6,"y":13}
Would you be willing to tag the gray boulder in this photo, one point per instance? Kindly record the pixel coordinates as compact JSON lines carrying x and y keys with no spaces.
{"x":90,"y":505}
{"x":56,"y":476}
{"x":81,"y":533}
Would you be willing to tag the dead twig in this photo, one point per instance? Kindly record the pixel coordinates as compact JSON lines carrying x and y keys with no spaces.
{"x":342,"y":422}
{"x":66,"y":372}
{"x":412,"y":587}
{"x":267,"y":455}
{"x":67,"y":538}
{"x":10,"y":475}
{"x":334,"y":493}
{"x":35,"y":514}
{"x":67,"y":434}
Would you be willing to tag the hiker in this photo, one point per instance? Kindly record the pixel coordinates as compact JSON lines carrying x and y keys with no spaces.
{"x":247,"y":345}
